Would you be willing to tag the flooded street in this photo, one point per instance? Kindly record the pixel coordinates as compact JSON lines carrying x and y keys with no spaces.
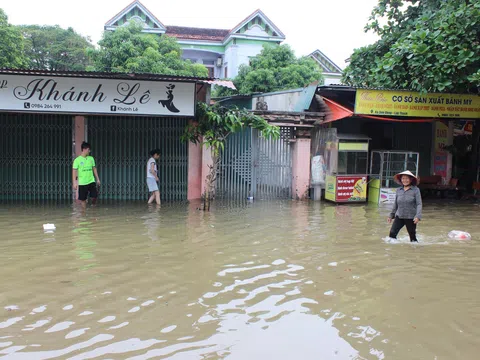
{"x":263,"y":280}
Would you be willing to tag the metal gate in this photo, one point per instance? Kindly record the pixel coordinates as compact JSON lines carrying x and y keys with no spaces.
{"x":35,"y":157}
{"x":121,"y":145}
{"x":253,"y":166}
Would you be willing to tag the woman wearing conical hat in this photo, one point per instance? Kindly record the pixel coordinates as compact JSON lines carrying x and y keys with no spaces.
{"x":407,"y":209}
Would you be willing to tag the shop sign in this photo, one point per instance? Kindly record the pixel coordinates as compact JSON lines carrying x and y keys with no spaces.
{"x":351,"y":188}
{"x":414,"y":104}
{"x":96,"y":96}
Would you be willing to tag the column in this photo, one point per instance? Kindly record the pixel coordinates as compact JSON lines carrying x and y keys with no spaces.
{"x":207,"y":161}
{"x":301,"y":168}
{"x":440,"y":156}
{"x":451,"y":130}
{"x":79,"y":134}
{"x":194,"y":190}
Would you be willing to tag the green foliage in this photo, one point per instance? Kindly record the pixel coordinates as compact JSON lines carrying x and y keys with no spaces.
{"x":426,"y":46}
{"x":275,"y":68}
{"x":216,"y":123}
{"x":54,"y":48}
{"x":11,"y":45}
{"x":127,"y":49}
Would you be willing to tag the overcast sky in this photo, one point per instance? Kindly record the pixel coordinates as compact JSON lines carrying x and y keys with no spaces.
{"x":334,"y":27}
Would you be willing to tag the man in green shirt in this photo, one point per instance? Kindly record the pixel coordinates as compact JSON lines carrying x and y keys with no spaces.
{"x":85,"y":171}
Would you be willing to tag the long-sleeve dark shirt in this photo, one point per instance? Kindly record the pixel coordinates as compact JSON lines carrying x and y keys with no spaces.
{"x":408,"y":204}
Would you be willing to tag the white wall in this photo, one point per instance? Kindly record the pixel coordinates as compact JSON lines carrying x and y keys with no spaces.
{"x":240,"y":54}
{"x":282,"y":101}
{"x":331,"y":79}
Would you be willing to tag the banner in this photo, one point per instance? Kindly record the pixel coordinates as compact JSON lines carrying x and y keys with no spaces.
{"x":96,"y":96}
{"x":413,"y":104}
{"x":440,"y":161}
{"x":351,"y":188}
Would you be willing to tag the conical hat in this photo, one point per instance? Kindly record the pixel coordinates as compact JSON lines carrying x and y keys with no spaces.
{"x":398,"y":177}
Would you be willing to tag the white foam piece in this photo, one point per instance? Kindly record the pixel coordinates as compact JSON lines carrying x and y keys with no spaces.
{"x":49,"y":227}
{"x":459,"y":235}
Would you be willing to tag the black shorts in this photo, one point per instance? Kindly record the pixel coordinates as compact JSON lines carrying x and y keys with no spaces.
{"x":84,"y":190}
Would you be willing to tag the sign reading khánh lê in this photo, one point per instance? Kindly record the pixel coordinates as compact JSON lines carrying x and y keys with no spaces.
{"x":404,"y":103}
{"x":96,"y":96}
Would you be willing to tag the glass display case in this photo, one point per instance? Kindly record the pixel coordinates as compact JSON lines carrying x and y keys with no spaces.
{"x":384,"y":165}
{"x":346,"y":173}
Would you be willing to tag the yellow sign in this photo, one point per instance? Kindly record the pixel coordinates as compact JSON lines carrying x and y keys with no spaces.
{"x":353,"y":147}
{"x":404,"y":103}
{"x":330,"y":188}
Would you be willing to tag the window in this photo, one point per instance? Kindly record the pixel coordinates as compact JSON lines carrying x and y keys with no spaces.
{"x":226,"y":72}
{"x":352,"y":162}
{"x":211,"y":72}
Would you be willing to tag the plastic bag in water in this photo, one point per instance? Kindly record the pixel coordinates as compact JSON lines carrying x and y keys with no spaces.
{"x":459,"y":235}
{"x":49,"y":227}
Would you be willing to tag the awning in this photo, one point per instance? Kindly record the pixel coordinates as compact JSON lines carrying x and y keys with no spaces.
{"x":338,"y":112}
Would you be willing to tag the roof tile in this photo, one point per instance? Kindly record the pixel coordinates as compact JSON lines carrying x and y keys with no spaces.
{"x":191,"y":33}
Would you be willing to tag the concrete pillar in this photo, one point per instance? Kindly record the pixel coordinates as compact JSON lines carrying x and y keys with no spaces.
{"x":80,"y":135}
{"x":451,"y":131}
{"x":194,"y":190}
{"x":301,"y":168}
{"x":207,"y":161}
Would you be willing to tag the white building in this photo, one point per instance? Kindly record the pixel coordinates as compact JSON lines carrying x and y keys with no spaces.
{"x":222,"y":51}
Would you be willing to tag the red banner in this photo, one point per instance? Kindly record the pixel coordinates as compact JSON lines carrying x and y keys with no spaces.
{"x":351,"y":188}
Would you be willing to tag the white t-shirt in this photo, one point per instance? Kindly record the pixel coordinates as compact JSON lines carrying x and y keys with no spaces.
{"x":149,"y":164}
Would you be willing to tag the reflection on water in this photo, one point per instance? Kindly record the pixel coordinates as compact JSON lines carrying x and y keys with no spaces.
{"x":263,"y":280}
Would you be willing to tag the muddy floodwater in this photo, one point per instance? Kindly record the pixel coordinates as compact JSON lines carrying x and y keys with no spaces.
{"x":263,"y":280}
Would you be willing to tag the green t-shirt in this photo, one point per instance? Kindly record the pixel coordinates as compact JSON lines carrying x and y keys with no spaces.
{"x":84,"y":166}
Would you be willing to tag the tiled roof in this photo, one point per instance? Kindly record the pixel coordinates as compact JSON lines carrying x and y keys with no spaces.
{"x":191,"y":33}
{"x":124,"y":76}
{"x":104,"y":75}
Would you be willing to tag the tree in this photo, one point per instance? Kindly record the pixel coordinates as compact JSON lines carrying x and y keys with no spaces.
{"x":426,"y":46}
{"x":11,"y":45}
{"x":128,"y":49}
{"x":54,"y":48}
{"x":275,"y":68}
{"x":215,"y":124}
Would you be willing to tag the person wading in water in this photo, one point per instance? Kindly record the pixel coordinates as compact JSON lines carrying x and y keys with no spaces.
{"x":407,"y":209}
{"x":85,"y":170}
